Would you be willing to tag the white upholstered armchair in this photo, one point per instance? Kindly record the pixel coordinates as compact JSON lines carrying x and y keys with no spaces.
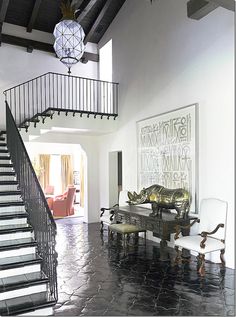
{"x":211,"y":232}
{"x":107,"y":214}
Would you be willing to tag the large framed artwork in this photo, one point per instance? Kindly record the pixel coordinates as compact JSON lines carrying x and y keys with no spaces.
{"x":168,"y":151}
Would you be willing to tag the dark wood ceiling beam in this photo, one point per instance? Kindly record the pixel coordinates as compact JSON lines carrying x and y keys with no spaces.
{"x":97,"y":21}
{"x":3,"y":10}
{"x":19,"y":41}
{"x":85,"y":11}
{"x":34,"y":15}
{"x":76,"y":3}
{"x":46,"y":47}
{"x":227,"y":4}
{"x":1,"y":33}
{"x":197,"y":9}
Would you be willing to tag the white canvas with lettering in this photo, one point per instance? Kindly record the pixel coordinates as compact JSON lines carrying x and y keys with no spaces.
{"x":167,"y":151}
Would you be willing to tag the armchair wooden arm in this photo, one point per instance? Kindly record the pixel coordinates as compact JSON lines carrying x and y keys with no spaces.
{"x":179,"y":227}
{"x":204,"y":234}
{"x":112,"y":212}
{"x":110,"y":209}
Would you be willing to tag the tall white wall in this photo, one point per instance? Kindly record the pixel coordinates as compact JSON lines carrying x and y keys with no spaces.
{"x":18,"y":66}
{"x":164,"y":60}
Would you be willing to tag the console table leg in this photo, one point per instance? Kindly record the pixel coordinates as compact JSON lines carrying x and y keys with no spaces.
{"x":164,"y":253}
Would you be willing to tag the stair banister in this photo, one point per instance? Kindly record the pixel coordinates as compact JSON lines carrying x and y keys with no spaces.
{"x":40,"y":216}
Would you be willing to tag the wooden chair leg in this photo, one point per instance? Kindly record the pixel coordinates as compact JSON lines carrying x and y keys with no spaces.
{"x":222,"y":252}
{"x":101,"y":229}
{"x":201,"y":270}
{"x":128,"y":237}
{"x":136,"y":237}
{"x":110,"y":234}
{"x":124,"y":241}
{"x":198,"y":260}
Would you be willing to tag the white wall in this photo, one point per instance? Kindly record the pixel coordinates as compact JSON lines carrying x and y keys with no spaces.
{"x":113,"y":178}
{"x":18,"y":66}
{"x":105,"y":62}
{"x":164,"y":60}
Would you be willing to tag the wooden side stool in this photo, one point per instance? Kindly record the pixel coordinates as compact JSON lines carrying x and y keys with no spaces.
{"x":125,"y":229}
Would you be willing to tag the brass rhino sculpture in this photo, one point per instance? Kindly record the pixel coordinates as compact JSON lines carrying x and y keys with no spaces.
{"x":163,"y":198}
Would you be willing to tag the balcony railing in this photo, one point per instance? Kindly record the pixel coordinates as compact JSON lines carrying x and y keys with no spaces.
{"x":42,"y":96}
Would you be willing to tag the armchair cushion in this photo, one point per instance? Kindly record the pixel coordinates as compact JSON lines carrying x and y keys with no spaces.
{"x":63,"y":207}
{"x":193,"y":243}
{"x":59,"y":204}
{"x":125,"y":228}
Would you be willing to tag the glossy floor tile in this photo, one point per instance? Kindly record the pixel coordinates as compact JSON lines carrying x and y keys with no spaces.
{"x":96,"y":278}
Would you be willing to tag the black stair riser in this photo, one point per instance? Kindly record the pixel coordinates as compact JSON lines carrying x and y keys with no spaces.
{"x":13,"y":215}
{"x":8,"y":182}
{"x":5,"y":157}
{"x":19,"y":264}
{"x":9,"y":192}
{"x":6,"y":165}
{"x":4,"y":151}
{"x":7,"y":174}
{"x":11,"y":203}
{"x":3,"y":144}
{"x":18,"y":246}
{"x":23,"y":285}
{"x":16,"y":230}
{"x":24,"y":308}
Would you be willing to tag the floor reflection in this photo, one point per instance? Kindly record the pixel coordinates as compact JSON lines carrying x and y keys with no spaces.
{"x":97,"y":279}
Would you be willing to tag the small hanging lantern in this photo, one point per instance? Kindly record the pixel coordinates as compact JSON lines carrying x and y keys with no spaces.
{"x":69,"y":36}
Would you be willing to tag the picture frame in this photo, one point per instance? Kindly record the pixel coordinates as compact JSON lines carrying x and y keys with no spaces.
{"x":167,"y":147}
{"x":76,"y":177}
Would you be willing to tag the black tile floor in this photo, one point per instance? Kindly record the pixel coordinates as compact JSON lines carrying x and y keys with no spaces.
{"x":95,"y":279}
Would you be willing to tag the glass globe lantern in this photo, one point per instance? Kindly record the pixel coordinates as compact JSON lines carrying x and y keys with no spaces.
{"x":69,"y":46}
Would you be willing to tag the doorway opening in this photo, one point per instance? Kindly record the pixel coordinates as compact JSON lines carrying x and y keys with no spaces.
{"x":115,"y":176}
{"x":60,"y":166}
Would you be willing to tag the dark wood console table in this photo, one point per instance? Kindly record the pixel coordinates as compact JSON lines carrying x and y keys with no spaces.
{"x":161,"y":226}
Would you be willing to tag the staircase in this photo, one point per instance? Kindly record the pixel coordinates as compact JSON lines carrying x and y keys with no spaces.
{"x":24,"y":287}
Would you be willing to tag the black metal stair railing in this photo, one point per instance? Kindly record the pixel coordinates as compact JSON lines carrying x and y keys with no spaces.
{"x":36,"y":99}
{"x":40,"y":216}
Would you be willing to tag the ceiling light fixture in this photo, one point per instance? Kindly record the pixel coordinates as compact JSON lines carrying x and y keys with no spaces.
{"x":69,"y":36}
